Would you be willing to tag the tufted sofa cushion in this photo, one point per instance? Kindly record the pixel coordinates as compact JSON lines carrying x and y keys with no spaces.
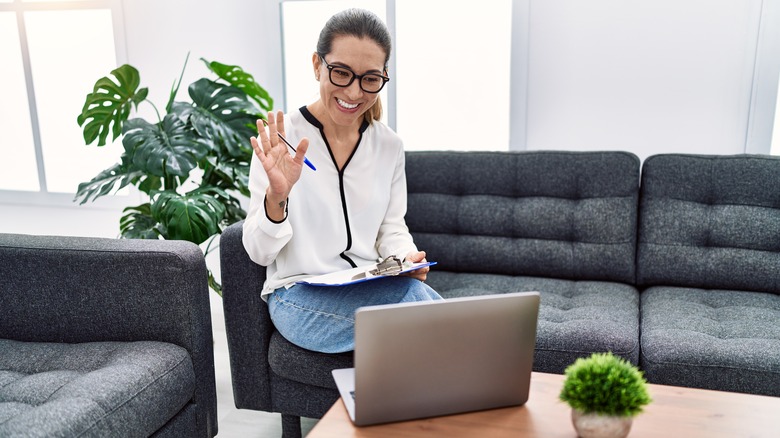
{"x":98,"y":389}
{"x":710,"y":222}
{"x":568,"y":215}
{"x":719,"y":339}
{"x":576,"y":318}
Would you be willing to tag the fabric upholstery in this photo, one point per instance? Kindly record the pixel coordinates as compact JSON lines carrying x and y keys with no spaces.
{"x":709,"y":253}
{"x":710,"y":222}
{"x":127,"y":389}
{"x":716,"y":339}
{"x":569,"y":215}
{"x":286,"y":359}
{"x":247,"y":322}
{"x":78,"y":290}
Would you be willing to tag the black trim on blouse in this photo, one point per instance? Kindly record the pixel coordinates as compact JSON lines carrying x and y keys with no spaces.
{"x":313,"y":120}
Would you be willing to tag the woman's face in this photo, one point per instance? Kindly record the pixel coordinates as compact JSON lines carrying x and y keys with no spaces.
{"x":345,"y":106}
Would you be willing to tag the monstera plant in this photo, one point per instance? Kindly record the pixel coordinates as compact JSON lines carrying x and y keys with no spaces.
{"x":192,"y":161}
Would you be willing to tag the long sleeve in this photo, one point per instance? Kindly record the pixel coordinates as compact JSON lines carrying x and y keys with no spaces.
{"x":394,"y":237}
{"x":263,"y":238}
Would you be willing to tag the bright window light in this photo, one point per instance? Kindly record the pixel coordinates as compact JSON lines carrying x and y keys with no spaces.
{"x":775,"y":149}
{"x":20,"y":171}
{"x":69,"y":51}
{"x":453,"y":74}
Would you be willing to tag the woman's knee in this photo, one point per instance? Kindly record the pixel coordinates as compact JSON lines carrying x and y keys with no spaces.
{"x":416,"y":290}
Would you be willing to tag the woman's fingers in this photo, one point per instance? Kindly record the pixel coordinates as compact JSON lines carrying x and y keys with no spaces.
{"x":280,"y":123}
{"x":257,"y":148}
{"x":263,"y":138}
{"x":300,"y":151}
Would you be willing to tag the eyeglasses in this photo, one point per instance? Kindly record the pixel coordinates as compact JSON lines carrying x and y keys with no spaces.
{"x":343,"y":77}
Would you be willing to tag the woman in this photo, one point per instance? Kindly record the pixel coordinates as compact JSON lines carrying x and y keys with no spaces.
{"x":349,"y":212}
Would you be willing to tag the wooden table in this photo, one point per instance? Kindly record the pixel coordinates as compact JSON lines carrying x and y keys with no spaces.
{"x":674,"y":412}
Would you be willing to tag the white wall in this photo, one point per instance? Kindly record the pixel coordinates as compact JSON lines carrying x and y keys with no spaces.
{"x":160,"y":33}
{"x":645,"y":76}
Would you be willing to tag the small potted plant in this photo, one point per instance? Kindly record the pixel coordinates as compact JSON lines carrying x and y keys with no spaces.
{"x":605,"y":392}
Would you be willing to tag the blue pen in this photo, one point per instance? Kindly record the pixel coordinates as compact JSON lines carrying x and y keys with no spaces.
{"x":305,"y":160}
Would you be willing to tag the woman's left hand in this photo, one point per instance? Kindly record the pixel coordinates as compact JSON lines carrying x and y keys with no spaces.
{"x":417,"y":257}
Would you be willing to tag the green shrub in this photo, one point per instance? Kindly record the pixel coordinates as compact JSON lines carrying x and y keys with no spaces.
{"x":605,"y":384}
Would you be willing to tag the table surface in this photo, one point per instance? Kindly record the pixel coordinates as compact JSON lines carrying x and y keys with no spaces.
{"x":674,"y":411}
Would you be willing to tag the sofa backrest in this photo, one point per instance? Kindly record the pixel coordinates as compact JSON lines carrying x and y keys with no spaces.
{"x":710,"y":222}
{"x":556,"y":214}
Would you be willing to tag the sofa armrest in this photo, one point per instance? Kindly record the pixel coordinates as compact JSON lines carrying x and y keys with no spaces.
{"x":247,"y":322}
{"x":79,"y":289}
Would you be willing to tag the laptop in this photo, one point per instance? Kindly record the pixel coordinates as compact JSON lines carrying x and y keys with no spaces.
{"x":426,"y":359}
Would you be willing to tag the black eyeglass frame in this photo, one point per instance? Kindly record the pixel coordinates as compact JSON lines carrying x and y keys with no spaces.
{"x":330,"y":68}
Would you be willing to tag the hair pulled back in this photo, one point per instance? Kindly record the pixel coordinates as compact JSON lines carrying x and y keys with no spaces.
{"x":359,"y":23}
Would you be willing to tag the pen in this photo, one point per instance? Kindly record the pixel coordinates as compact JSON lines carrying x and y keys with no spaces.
{"x":305,"y":160}
{"x":281,"y":137}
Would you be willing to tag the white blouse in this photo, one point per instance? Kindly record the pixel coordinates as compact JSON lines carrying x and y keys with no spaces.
{"x":335,"y":220}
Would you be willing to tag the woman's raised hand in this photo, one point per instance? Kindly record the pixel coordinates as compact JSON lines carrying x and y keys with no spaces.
{"x":283,"y":170}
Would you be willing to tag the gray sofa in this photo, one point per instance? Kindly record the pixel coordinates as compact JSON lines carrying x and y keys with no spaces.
{"x":680,"y":277}
{"x":104,"y":338}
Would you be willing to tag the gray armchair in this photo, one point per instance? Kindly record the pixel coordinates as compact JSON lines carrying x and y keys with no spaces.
{"x":268,"y":372}
{"x":104,"y":338}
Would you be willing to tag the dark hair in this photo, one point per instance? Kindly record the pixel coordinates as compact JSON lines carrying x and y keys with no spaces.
{"x":362,"y":24}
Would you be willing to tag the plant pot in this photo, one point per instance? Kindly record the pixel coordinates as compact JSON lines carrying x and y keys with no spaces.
{"x":600,"y":426}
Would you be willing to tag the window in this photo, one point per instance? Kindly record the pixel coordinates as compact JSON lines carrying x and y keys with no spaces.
{"x":53,"y":52}
{"x":452,"y":63}
{"x":446,"y":90}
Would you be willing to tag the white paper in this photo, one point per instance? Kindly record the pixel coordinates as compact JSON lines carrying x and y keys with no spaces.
{"x":341,"y":278}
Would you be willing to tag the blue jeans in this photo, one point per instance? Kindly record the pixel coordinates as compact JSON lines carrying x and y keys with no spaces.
{"x":322,"y":318}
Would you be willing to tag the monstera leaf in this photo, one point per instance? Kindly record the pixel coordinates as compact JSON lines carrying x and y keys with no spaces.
{"x":243,"y":81}
{"x":113,"y":178}
{"x":221,"y":113}
{"x":138,"y":223}
{"x":228,"y":174}
{"x":164,"y":149}
{"x":110,"y":103}
{"x":194,"y":216}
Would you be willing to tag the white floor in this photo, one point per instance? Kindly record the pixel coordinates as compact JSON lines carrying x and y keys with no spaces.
{"x":238,"y":423}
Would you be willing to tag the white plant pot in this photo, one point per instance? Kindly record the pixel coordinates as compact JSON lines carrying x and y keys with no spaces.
{"x":600,"y":426}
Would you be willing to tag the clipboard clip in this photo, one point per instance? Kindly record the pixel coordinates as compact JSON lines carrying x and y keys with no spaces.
{"x":389,"y":266}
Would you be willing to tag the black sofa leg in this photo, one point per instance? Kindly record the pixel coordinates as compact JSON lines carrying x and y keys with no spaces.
{"x":291,"y":426}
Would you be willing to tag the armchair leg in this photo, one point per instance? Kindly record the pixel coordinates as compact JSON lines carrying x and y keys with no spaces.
{"x":291,"y":426}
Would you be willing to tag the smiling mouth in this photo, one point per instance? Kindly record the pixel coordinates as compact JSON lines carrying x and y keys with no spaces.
{"x":346,"y":105}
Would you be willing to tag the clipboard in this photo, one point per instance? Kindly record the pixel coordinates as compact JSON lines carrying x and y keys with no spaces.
{"x":388,"y":267}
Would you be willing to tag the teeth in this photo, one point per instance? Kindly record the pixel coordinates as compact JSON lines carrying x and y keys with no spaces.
{"x":346,"y":105}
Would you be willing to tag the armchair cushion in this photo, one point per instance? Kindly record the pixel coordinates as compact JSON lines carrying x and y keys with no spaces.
{"x":128,"y":389}
{"x":310,"y":367}
{"x":75,"y":291}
